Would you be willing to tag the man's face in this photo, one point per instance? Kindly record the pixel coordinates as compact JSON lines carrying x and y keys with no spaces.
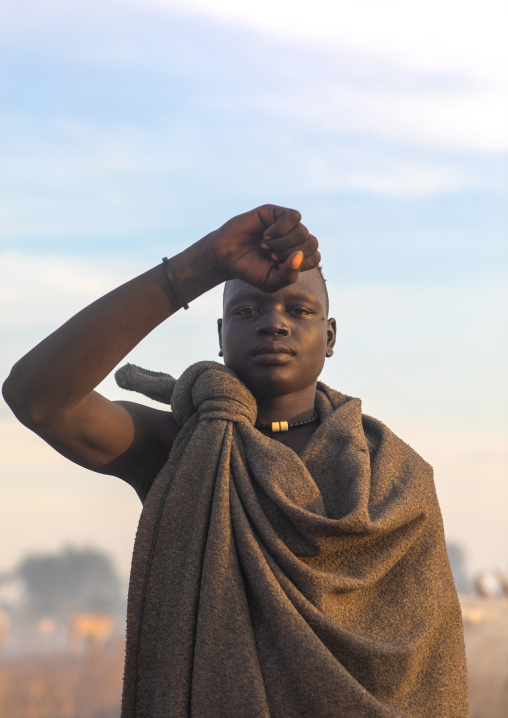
{"x":277,"y":343}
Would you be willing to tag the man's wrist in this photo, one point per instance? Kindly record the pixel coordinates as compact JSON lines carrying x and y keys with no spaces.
{"x":173,"y":283}
{"x":195,"y":271}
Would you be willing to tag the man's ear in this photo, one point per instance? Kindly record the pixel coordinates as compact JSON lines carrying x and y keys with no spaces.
{"x":219,"y":329}
{"x":331,"y":336}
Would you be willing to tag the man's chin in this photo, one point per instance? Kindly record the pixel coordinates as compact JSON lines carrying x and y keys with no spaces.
{"x":272,"y":384}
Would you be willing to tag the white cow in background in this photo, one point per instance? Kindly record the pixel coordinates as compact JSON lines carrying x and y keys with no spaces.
{"x":90,"y":629}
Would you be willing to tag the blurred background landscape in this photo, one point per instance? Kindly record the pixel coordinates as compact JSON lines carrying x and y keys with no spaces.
{"x":62,"y":636}
{"x":131,"y":128}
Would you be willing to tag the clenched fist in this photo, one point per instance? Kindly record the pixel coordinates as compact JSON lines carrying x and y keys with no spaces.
{"x":267,"y":247}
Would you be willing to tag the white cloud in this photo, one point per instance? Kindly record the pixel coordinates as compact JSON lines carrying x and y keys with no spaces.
{"x":437,"y":34}
{"x":461,"y":43}
{"x":433,"y":73}
{"x":37,"y":291}
{"x":390,"y":179}
{"x":97,"y":181}
{"x":469,"y":118}
{"x":457,"y":35}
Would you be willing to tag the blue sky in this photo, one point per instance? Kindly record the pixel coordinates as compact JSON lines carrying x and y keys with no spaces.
{"x":130,"y":129}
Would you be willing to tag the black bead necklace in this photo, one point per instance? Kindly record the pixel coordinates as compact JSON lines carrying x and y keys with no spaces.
{"x":276,"y":426}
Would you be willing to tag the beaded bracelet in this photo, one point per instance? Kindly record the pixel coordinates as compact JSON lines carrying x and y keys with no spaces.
{"x":172,"y":281}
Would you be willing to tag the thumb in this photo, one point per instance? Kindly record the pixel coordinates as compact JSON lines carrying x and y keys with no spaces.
{"x":290,"y":269}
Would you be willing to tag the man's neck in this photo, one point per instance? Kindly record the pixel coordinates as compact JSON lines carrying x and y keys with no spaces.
{"x":293,"y":407}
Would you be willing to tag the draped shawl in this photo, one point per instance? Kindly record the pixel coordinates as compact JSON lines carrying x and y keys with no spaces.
{"x":266,"y":583}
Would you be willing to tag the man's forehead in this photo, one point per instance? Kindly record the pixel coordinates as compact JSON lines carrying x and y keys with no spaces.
{"x":310,"y":282}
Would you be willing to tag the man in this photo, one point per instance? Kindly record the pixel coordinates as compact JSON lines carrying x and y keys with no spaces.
{"x":290,"y":558}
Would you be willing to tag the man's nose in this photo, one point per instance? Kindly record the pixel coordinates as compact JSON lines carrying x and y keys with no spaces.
{"x":273,"y":322}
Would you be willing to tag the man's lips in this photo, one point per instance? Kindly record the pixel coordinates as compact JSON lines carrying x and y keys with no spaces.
{"x":272,"y":348}
{"x":272,"y":353}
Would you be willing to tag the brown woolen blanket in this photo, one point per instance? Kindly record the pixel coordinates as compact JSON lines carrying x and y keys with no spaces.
{"x":265,"y":583}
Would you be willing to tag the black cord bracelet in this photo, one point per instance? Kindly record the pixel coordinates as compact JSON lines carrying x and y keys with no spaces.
{"x":172,"y":281}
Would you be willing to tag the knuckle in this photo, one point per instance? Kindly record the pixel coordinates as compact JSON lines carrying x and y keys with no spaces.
{"x":312,"y":261}
{"x":313,"y":243}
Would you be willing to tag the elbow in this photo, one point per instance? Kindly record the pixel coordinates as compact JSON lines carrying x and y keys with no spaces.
{"x":17,"y":396}
{"x":9,"y":392}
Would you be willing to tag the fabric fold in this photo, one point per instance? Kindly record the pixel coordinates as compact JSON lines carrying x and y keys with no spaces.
{"x":265,"y":583}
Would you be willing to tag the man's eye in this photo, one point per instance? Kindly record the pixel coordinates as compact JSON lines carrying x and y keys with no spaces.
{"x":299,"y":311}
{"x":246,"y":311}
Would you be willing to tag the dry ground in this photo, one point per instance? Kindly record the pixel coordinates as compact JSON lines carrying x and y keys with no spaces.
{"x":87,"y":683}
{"x":64,"y":685}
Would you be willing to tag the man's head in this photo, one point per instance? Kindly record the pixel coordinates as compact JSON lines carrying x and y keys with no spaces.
{"x":277,"y":343}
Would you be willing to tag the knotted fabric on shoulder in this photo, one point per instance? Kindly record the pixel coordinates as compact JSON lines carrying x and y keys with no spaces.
{"x":267,"y":584}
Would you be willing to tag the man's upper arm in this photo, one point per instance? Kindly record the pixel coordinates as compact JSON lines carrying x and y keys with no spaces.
{"x":125,"y":439}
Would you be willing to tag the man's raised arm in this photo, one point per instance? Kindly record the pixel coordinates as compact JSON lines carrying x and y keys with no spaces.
{"x":51,"y":389}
